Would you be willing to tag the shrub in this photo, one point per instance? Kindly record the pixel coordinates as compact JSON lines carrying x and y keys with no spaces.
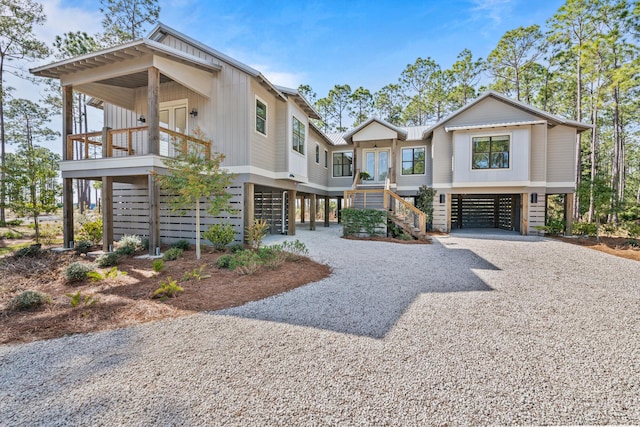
{"x":49,"y":233}
{"x":224,"y":261}
{"x":168,"y":289}
{"x":295,"y":249}
{"x":31,"y":251}
{"x":14,"y":223}
{"x":256,"y":232}
{"x":145,"y":244}
{"x":10,"y":234}
{"x":584,"y":229}
{"x":158,"y":265}
{"x":220,"y":235}
{"x":236,"y":247}
{"x":77,"y":299}
{"x":29,"y":299}
{"x":632,"y":229}
{"x":112,"y":273}
{"x":83,"y":247}
{"x":108,"y":260}
{"x":77,"y":271}
{"x":182,"y":244}
{"x":91,"y":231}
{"x":355,"y":220}
{"x":197,"y":274}
{"x":272,"y":256}
{"x":610,"y":228}
{"x":172,"y":254}
{"x":245,"y":262}
{"x":128,"y":244}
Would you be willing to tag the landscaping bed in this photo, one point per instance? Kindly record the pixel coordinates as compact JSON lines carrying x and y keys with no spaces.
{"x":624,"y":247}
{"x":127,"y":297}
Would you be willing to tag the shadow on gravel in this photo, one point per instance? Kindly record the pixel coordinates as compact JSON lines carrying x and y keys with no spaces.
{"x":368,"y":298}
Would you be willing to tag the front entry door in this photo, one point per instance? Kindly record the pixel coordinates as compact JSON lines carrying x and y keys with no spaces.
{"x":376,"y":164}
{"x":173,"y":116}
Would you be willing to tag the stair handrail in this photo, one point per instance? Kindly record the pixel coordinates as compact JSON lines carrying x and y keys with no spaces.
{"x":417,"y":213}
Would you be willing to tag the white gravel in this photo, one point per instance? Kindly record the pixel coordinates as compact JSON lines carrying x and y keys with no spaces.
{"x":493,"y":330}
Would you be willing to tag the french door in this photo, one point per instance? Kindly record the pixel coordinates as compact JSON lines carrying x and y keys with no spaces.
{"x":173,"y":116}
{"x":376,"y":164}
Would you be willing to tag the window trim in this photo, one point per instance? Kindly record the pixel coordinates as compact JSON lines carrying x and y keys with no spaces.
{"x":266,"y":117}
{"x":317,"y":153}
{"x":332,"y":164}
{"x":326,"y":158}
{"x":489,"y":135}
{"x":304,"y":136}
{"x":425,"y":160}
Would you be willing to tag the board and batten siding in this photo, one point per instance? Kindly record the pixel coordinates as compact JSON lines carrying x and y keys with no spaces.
{"x":297,"y":162}
{"x":183,"y":46}
{"x":282,"y":158}
{"x":442,"y":147}
{"x":318,"y":174}
{"x":263,"y":148}
{"x":561,"y":155}
{"x":131,"y":214}
{"x":490,"y":110}
{"x":538,"y":161}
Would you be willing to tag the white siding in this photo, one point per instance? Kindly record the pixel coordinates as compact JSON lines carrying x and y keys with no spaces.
{"x":263,"y":148}
{"x":491,"y":110}
{"x":442,"y":147}
{"x":538,"y":153}
{"x":561,"y":155}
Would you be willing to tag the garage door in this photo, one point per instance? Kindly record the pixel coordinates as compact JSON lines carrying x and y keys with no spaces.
{"x":485,"y":211}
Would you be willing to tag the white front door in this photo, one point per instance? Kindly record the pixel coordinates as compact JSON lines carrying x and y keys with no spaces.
{"x":173,"y":116}
{"x":376,"y":164}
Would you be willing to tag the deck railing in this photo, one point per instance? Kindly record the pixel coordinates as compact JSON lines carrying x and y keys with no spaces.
{"x":400,"y":208}
{"x":125,"y":142}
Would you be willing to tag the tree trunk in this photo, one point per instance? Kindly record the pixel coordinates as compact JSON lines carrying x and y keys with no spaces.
{"x":3,"y":182}
{"x":615,"y":169}
{"x":576,"y":202}
{"x":198,"y":229}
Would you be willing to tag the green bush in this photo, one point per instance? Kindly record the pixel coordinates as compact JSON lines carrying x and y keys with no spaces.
{"x":91,"y":231}
{"x":220,"y":235}
{"x":272,"y":256}
{"x":158,"y":265}
{"x":168,"y":289}
{"x":29,"y":299}
{"x":108,"y":260}
{"x":182,"y":244}
{"x":584,"y":229}
{"x":31,"y":251}
{"x":354,"y":220}
{"x":145,"y":244}
{"x":14,"y":223}
{"x":83,"y":247}
{"x":77,"y":299}
{"x":256,"y":232}
{"x":294,"y":249}
{"x":236,"y":247}
{"x":10,"y":234}
{"x":632,"y":229}
{"x":224,"y":261}
{"x":245,"y":262}
{"x":128,"y":244}
{"x":172,"y":254}
{"x":77,"y":271}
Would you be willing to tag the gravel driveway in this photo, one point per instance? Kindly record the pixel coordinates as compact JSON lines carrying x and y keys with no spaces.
{"x":494,"y":330}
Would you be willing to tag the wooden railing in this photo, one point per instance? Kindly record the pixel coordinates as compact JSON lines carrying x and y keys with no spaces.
{"x":125,"y":142}
{"x":400,"y":208}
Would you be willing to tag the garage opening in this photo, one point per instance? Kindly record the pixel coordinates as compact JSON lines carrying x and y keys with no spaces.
{"x":485,"y":211}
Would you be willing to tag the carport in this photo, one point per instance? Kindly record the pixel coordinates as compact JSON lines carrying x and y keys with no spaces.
{"x":486,"y":211}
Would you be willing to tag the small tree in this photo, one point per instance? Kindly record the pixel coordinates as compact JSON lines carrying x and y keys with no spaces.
{"x":424,"y":201}
{"x":195,"y":175}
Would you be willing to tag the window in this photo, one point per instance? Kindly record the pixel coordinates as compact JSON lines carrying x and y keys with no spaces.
{"x":342,"y":164}
{"x":317,"y":154}
{"x":326,"y":159}
{"x":261,"y":117}
{"x":413,"y":161}
{"x":490,"y":152}
{"x":298,"y":136}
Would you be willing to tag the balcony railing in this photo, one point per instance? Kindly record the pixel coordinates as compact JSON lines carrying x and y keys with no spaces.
{"x":125,"y":142}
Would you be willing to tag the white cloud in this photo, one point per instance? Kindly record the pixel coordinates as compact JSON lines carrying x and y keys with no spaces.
{"x":280,"y":78}
{"x":493,"y":9}
{"x":63,"y":19}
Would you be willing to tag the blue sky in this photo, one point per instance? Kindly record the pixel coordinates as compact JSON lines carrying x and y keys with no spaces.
{"x":323,"y":43}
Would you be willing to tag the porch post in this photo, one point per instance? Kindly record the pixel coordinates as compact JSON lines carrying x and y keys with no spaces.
{"x":249,"y":206}
{"x":339,"y":210}
{"x":326,"y":211}
{"x":525,"y":214}
{"x":355,"y":159}
{"x":291,"y":214}
{"x":67,"y":154}
{"x":302,"y":207}
{"x":153,"y":110}
{"x":154,"y":214}
{"x":568,"y":214}
{"x":107,"y":213}
{"x":312,"y":212}
{"x":394,"y":147}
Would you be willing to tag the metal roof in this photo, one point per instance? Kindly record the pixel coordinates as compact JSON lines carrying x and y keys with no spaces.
{"x":495,"y":125}
{"x":301,"y":101}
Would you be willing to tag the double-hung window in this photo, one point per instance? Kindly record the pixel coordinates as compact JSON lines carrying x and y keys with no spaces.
{"x":490,"y":152}
{"x":342,"y":164}
{"x":298,"y":136}
{"x":261,"y":117}
{"x":413,"y":161}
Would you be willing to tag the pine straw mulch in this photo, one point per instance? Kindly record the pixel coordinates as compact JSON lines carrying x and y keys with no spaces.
{"x":127,"y":299}
{"x":618,"y":246}
{"x":390,"y":240}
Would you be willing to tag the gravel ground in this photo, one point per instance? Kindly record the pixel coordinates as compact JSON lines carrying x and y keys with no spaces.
{"x":468,"y":330}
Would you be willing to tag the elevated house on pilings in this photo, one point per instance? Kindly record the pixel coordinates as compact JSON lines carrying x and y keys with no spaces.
{"x":492,"y":162}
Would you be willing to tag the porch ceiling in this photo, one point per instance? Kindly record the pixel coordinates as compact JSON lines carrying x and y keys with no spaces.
{"x":132,"y":81}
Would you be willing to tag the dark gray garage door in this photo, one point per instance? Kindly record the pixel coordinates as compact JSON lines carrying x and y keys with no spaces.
{"x":486,"y":211}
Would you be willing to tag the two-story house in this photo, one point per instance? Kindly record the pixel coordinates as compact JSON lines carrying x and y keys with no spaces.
{"x":492,"y":162}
